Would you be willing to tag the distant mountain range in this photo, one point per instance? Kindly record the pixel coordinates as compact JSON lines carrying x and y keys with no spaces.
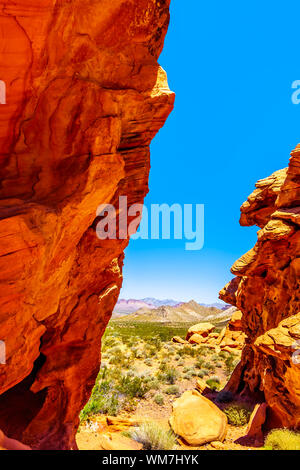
{"x":125,"y":307}
{"x":165,"y":311}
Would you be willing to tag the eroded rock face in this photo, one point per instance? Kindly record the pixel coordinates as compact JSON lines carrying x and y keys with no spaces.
{"x":266,"y":290}
{"x":85,"y":96}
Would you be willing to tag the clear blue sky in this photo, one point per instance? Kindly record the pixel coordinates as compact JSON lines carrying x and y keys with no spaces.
{"x":231,"y":65}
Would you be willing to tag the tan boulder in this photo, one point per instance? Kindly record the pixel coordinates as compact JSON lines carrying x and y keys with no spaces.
{"x":202,"y":329}
{"x":201,"y":385}
{"x":118,"y":442}
{"x":228,"y":349}
{"x":235,"y":323}
{"x":197,"y":339}
{"x":221,"y":336}
{"x":217,"y":445}
{"x":233,"y":339}
{"x":119,"y":424}
{"x":178,"y":339}
{"x":213,"y":335}
{"x":197,"y":420}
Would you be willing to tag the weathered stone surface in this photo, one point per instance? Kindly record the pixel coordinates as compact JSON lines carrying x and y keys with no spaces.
{"x":85,"y":96}
{"x":231,"y":337}
{"x":178,"y":339}
{"x":201,"y":329}
{"x":257,"y":420}
{"x":197,"y":339}
{"x":197,"y":420}
{"x":201,"y":385}
{"x":267,"y":292}
{"x":118,"y":442}
{"x":11,"y":444}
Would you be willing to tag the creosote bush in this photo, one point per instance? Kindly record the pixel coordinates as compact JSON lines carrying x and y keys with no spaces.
{"x":282,"y":439}
{"x":173,"y":390}
{"x":237,"y":414}
{"x":154,"y":437}
{"x":213,"y":383}
{"x":159,"y":400}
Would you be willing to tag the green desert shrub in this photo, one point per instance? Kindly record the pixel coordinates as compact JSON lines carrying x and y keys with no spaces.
{"x":159,"y":399}
{"x":150,"y":351}
{"x":213,"y":384}
{"x":133,"y":387}
{"x":169,"y":376}
{"x":101,"y":403}
{"x":153,"y":437}
{"x":215,"y":378}
{"x":173,"y":390}
{"x":231,"y":363}
{"x":282,"y":439}
{"x":188,"y":376}
{"x":188,"y":351}
{"x":199,"y":363}
{"x":223,"y":354}
{"x":156,"y":342}
{"x":208,"y":366}
{"x":201,"y":374}
{"x":163,"y":365}
{"x":237,"y":414}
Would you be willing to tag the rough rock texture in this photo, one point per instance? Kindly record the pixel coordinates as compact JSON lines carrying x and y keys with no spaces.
{"x":231,"y":337}
{"x":257,"y":420}
{"x":197,"y":420}
{"x":267,"y":291}
{"x":85,"y":96}
{"x":201,"y":329}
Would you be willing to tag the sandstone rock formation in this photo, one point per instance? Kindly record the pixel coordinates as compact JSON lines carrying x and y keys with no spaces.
{"x":257,"y":420}
{"x":118,"y":442}
{"x":232,"y":336}
{"x":85,"y":96}
{"x":266,"y":289}
{"x":201,"y":329}
{"x":203,"y":334}
{"x":197,"y":420}
{"x":11,"y":444}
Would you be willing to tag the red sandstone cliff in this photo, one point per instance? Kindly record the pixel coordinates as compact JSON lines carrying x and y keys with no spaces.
{"x":267,"y":291}
{"x":85,"y":96}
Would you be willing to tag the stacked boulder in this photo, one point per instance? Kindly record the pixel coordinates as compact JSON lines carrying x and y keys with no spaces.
{"x":204,"y":334}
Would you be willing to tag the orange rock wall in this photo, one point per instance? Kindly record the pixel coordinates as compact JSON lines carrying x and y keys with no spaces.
{"x":267,"y":290}
{"x":85,"y":97}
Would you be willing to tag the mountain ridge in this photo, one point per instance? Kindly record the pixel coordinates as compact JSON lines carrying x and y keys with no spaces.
{"x":182,"y":312}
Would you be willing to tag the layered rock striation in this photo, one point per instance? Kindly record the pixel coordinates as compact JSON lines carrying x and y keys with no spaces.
{"x":85,"y":96}
{"x":266,"y":289}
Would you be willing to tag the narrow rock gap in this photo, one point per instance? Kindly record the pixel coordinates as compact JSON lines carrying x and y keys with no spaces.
{"x":19,"y":405}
